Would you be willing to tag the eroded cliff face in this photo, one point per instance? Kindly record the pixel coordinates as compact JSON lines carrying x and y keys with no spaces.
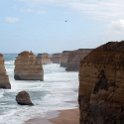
{"x":44,"y":58}
{"x":64,"y":58}
{"x":28,"y":67}
{"x":56,"y":58}
{"x":4,"y":80}
{"x":101,"y":90}
{"x":75,"y":57}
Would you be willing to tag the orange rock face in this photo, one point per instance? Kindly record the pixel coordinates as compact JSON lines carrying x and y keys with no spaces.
{"x":101,"y":89}
{"x":4,"y":80}
{"x":28,"y":67}
{"x":75,"y":57}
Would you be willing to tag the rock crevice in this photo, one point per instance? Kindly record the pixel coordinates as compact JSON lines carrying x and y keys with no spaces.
{"x":101,"y":89}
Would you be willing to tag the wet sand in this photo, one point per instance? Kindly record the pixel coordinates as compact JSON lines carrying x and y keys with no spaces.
{"x":70,"y":116}
{"x":67,"y":117}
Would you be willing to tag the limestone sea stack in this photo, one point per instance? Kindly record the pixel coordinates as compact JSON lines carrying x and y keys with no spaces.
{"x":101,"y":88}
{"x":23,"y":98}
{"x":64,"y":58}
{"x":28,"y":67}
{"x":45,"y":58}
{"x":4,"y":80}
{"x":56,"y":58}
{"x":75,"y":57}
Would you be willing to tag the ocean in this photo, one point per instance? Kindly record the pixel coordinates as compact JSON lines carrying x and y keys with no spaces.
{"x":58,"y":91}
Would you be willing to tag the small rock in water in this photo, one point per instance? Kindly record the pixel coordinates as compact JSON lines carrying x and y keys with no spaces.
{"x":23,"y":98}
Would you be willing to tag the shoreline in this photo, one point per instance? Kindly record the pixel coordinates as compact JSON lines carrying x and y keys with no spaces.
{"x":67,"y":116}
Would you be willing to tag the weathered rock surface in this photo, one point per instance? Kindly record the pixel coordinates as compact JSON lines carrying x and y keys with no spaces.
{"x":56,"y":58}
{"x":4,"y":80}
{"x":28,"y":67}
{"x":45,"y":58}
{"x":75,"y":57}
{"x":101,"y":89}
{"x":23,"y":98}
{"x":64,"y":58}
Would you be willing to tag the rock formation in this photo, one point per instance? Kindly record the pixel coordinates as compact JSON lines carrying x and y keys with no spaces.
{"x":101,"y":88}
{"x":28,"y":67}
{"x":4,"y":80}
{"x":45,"y":58}
{"x":23,"y":98}
{"x":64,"y":58}
{"x":56,"y":58}
{"x":75,"y":57}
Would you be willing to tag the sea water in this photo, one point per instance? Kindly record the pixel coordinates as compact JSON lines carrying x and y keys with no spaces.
{"x":58,"y":91}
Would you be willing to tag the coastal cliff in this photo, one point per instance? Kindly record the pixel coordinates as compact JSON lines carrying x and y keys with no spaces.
{"x":28,"y":67}
{"x":56,"y":58}
{"x":4,"y":80}
{"x":44,"y":58}
{"x":75,"y":57}
{"x":64,"y":58}
{"x":101,"y":88}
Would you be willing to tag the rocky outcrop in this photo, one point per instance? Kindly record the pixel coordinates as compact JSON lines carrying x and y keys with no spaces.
{"x":101,"y":88}
{"x":28,"y":67}
{"x":75,"y":57}
{"x":23,"y":98}
{"x":56,"y":58}
{"x":64,"y":58}
{"x":45,"y":58}
{"x":4,"y":80}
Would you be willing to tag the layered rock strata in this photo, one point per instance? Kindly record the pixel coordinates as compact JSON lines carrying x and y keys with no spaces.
{"x":4,"y":80}
{"x":64,"y":58}
{"x":45,"y":58}
{"x":75,"y":57}
{"x":28,"y":67}
{"x":23,"y":98}
{"x":56,"y":58}
{"x":101,"y":88}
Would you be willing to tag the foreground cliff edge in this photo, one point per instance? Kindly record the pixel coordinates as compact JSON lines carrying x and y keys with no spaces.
{"x":101,"y":90}
{"x":4,"y":80}
{"x":28,"y":67}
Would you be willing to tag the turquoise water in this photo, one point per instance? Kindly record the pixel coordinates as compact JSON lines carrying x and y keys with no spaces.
{"x":58,"y":91}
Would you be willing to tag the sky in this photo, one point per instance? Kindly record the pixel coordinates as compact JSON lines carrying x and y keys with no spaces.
{"x":56,"y":25}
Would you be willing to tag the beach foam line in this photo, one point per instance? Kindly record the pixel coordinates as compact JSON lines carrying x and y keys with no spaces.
{"x":68,"y":116}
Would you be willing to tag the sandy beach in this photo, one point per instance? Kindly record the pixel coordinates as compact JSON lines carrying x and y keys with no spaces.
{"x":70,"y":116}
{"x":67,"y":117}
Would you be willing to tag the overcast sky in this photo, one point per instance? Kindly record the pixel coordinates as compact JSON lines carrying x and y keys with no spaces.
{"x":57,"y":25}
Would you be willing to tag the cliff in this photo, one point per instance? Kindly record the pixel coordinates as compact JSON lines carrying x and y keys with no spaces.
{"x":56,"y":58}
{"x":64,"y":58}
{"x":44,"y":58}
{"x":101,"y":87}
{"x":4,"y":80}
{"x":75,"y":57}
{"x":28,"y":67}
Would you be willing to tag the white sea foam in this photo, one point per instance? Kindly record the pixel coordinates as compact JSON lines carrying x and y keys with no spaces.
{"x":1,"y":93}
{"x":54,"y":93}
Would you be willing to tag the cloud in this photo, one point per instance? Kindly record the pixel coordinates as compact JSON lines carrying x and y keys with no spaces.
{"x":99,"y":9}
{"x":108,"y":10}
{"x":115,"y":30}
{"x":27,"y":10}
{"x":33,"y":10}
{"x":11,"y":20}
{"x":48,"y":1}
{"x":117,"y":26}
